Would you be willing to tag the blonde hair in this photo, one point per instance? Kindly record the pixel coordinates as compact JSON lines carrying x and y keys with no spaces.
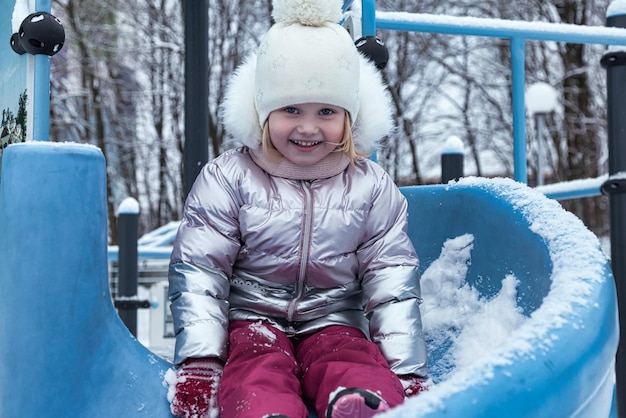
{"x":346,"y":144}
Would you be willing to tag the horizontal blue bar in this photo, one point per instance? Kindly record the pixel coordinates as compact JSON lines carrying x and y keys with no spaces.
{"x":500,"y":28}
{"x":155,"y":253}
{"x":574,"y":194}
{"x":573,"y":189}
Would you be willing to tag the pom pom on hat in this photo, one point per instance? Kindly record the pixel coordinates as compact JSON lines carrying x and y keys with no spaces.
{"x":307,"y":12}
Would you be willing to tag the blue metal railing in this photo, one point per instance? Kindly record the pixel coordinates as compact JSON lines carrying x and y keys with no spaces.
{"x":517,"y":31}
{"x":575,"y":189}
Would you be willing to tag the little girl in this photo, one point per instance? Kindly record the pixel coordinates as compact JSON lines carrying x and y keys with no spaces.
{"x":292,"y":280}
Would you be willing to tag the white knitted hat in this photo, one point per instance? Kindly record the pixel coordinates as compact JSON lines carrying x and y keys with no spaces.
{"x":306,"y":57}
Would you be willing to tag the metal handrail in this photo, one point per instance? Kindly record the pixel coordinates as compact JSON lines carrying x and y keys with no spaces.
{"x":519,"y":32}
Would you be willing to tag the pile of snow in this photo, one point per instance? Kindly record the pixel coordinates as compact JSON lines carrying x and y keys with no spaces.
{"x":457,"y":319}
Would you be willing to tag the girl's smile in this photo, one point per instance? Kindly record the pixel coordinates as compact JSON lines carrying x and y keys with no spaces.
{"x":305,"y":143}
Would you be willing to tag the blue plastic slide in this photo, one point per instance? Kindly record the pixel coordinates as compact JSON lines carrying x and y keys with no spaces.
{"x":64,"y":351}
{"x":560,"y":361}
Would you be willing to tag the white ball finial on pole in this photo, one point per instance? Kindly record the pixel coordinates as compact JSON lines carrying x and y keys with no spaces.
{"x":541,"y":99}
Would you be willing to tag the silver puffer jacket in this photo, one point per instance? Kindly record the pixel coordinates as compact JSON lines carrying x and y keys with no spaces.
{"x":299,"y":254}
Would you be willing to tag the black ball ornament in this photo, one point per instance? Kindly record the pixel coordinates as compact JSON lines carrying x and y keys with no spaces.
{"x":375,"y":49}
{"x":40,"y":33}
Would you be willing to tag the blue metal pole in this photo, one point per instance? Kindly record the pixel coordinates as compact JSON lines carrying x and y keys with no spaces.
{"x":368,"y":28}
{"x":41,"y":98}
{"x":614,"y":60}
{"x":499,"y":28}
{"x":368,"y":17}
{"x":518,"y":56}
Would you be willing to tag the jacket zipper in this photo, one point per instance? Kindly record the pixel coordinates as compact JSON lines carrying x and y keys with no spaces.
{"x":305,"y":244}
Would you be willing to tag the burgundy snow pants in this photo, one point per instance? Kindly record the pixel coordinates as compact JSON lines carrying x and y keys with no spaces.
{"x":268,"y":373}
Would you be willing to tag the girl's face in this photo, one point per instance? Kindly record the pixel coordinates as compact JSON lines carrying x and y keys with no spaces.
{"x":306,"y":133}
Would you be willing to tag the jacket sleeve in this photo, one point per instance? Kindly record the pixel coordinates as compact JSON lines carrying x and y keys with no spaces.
{"x":390,"y":283}
{"x":203,"y":254}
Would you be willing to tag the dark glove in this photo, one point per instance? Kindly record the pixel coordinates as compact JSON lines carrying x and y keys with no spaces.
{"x":412,"y":384}
{"x":195,"y":393}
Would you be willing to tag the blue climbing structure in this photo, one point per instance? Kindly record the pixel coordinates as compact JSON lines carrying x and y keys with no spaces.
{"x":65,"y":352}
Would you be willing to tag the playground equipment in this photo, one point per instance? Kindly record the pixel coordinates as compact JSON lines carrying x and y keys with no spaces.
{"x":65,"y":351}
{"x":562,"y":362}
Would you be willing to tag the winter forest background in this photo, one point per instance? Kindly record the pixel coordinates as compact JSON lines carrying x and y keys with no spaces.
{"x":118,"y":83}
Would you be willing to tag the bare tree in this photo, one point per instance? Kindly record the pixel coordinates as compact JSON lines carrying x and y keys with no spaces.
{"x":119,"y":84}
{"x":584,"y":122}
{"x":153,"y":38}
{"x":89,"y":83}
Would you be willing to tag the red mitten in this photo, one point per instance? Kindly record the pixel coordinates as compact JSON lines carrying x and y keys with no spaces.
{"x":412,"y":384}
{"x":195,"y":391}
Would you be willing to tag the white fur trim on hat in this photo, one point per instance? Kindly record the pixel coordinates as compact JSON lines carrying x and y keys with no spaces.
{"x":238,"y":110}
{"x":375,"y":118}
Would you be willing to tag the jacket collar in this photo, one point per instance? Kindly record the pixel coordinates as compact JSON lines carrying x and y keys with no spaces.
{"x":331,"y":165}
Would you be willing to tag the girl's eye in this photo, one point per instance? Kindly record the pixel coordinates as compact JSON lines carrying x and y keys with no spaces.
{"x":326,"y":112}
{"x":290,"y":109}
